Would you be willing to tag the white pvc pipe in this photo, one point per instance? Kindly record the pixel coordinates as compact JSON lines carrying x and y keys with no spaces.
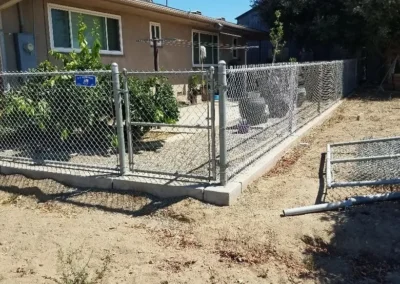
{"x":357,"y":200}
{"x":328,"y":166}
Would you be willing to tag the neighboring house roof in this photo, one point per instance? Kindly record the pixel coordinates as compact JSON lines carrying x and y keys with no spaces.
{"x":246,"y":13}
{"x":184,"y":14}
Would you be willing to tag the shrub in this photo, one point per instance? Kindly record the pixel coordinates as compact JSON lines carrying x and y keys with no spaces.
{"x":152,"y":100}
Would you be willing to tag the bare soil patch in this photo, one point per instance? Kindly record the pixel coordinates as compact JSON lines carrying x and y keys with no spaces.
{"x":185,"y":241}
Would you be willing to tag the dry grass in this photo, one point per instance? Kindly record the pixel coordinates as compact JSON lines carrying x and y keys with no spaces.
{"x":73,"y":267}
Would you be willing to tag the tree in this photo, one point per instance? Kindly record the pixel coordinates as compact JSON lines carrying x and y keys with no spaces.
{"x":276,"y":36}
{"x":351,"y":24}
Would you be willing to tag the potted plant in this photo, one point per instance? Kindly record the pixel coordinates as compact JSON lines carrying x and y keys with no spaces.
{"x":194,"y":82}
{"x":197,"y":87}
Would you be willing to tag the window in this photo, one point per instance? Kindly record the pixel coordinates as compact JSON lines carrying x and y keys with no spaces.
{"x":155,"y":32}
{"x":211,"y":42}
{"x":64,"y":26}
{"x":234,"y":50}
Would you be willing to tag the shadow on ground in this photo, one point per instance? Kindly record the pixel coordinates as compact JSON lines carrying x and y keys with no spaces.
{"x":365,"y":240}
{"x":373,"y":93}
{"x":364,"y":248}
{"x":123,"y":202}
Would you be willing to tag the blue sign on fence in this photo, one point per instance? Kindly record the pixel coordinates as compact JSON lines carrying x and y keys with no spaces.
{"x":85,"y":81}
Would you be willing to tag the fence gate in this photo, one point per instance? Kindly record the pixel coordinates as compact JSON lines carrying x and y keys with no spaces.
{"x":167,"y":136}
{"x":364,"y":163}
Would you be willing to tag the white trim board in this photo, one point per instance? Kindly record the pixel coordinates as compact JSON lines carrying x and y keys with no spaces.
{"x":155,"y":24}
{"x":9,"y":4}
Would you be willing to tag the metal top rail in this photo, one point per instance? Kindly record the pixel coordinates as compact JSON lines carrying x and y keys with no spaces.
{"x":55,"y":73}
{"x":164,"y":73}
{"x":247,"y":68}
{"x":365,"y":141}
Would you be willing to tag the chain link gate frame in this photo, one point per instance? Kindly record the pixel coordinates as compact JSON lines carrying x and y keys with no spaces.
{"x":194,"y":163}
{"x":363,"y":163}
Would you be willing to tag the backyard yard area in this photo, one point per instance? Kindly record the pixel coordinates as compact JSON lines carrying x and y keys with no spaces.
{"x":47,"y":228}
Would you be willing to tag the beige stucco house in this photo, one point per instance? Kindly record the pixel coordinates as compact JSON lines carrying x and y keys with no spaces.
{"x":29,"y":29}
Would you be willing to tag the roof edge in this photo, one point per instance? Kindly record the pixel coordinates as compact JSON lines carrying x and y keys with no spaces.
{"x":245,"y":13}
{"x":184,"y":14}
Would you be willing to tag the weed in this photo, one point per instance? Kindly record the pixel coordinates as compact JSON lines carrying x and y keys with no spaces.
{"x":263,"y":274}
{"x":74,"y":268}
{"x":309,"y":263}
{"x":12,"y":199}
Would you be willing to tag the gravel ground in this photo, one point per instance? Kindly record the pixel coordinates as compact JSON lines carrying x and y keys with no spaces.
{"x":244,"y":149}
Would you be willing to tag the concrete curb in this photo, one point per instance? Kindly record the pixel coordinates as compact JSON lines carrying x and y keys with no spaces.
{"x":218,"y":195}
{"x":228,"y":195}
{"x":109,"y":182}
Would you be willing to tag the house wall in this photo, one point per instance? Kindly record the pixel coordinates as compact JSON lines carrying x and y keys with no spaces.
{"x":10,"y":18}
{"x":264,"y":54}
{"x":135,"y":26}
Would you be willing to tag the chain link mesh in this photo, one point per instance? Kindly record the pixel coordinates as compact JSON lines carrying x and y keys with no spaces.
{"x":268,"y":103}
{"x":171,"y":135}
{"x":378,"y":162}
{"x":45,"y":119}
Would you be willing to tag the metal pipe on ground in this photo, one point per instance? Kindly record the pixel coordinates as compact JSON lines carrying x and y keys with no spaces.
{"x":357,"y":200}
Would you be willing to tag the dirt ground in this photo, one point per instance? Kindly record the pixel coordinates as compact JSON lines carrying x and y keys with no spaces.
{"x":47,"y":228}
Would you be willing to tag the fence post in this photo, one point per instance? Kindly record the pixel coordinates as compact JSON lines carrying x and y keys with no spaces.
{"x":293,"y":84}
{"x":213,"y":135}
{"x":128,"y":117}
{"x":223,"y":88}
{"x":321,"y":86}
{"x":356,"y":78}
{"x":118,"y":117}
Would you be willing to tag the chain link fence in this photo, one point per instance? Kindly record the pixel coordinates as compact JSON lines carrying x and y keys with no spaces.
{"x":174,"y":126}
{"x":366,"y":162}
{"x":267,"y":104}
{"x":46,"y":119}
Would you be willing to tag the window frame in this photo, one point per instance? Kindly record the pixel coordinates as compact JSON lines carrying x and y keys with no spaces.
{"x":69,"y":9}
{"x":155,"y":24}
{"x":234,"y":48}
{"x":207,"y":33}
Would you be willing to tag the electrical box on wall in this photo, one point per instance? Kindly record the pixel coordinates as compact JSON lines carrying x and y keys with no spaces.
{"x":25,"y":51}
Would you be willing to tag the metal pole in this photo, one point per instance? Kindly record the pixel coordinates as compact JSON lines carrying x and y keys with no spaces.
{"x":223,"y":86}
{"x":245,"y":56}
{"x":328,"y":166}
{"x":293,"y":99}
{"x":363,"y":159}
{"x":119,"y":120}
{"x":321,"y":86}
{"x":245,"y":74}
{"x":128,"y":117}
{"x":213,"y":134}
{"x":155,"y":51}
{"x":366,"y":141}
